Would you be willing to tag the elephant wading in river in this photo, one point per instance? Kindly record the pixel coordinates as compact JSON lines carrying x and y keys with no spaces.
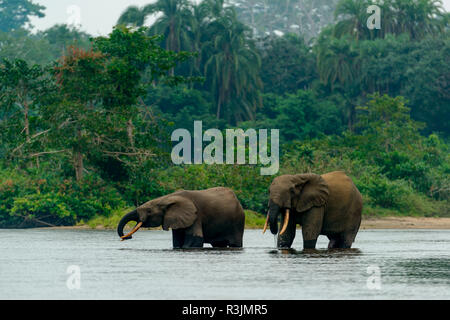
{"x":329,"y":205}
{"x":212,"y":216}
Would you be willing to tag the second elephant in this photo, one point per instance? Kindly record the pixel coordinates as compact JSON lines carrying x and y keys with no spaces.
{"x":212,"y":216}
{"x":328,"y":205}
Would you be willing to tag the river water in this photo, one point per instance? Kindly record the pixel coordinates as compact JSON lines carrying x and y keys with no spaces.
{"x":92,"y":264}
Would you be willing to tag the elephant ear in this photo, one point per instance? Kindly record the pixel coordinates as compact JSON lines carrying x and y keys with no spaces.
{"x":313,"y":191}
{"x":180,"y":212}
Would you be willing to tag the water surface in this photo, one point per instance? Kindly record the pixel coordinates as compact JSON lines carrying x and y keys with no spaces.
{"x":413,"y":264}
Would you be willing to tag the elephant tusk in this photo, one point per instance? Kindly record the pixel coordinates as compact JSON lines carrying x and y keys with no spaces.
{"x":286,"y":221}
{"x":136,"y":228}
{"x":266,"y":224}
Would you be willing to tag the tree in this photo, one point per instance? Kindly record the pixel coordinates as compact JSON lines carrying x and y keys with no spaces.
{"x":95,"y":111}
{"x":75,"y":118}
{"x":21,"y":44}
{"x":417,"y":18}
{"x":232,"y":68}
{"x":62,"y":36}
{"x":353,"y":16}
{"x":427,"y":82}
{"x":338,"y":66}
{"x":15,"y":14}
{"x":387,"y":126}
{"x":287,"y":64}
{"x":21,"y":87}
{"x":130,"y":54}
{"x":173,"y":20}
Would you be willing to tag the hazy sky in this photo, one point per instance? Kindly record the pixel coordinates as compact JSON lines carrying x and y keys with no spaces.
{"x":97,"y":17}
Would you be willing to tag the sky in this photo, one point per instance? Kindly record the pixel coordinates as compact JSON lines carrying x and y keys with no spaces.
{"x":96,"y":17}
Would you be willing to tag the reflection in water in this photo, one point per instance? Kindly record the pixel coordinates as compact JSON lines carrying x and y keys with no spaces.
{"x":318,"y":253}
{"x":413,"y":264}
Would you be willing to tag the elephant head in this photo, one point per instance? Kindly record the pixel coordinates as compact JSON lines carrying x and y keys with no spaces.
{"x":299,"y":193}
{"x":172,"y":211}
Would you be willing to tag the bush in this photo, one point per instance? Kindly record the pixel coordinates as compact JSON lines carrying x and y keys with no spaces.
{"x":386,"y":193}
{"x":31,"y":199}
{"x":399,"y":166}
{"x":42,"y":210}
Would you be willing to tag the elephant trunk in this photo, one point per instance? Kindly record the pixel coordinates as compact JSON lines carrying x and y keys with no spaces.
{"x":272,"y":218}
{"x":274,"y":211}
{"x":131,"y":216}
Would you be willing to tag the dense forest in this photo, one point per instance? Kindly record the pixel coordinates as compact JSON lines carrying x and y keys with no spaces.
{"x":85,"y":122}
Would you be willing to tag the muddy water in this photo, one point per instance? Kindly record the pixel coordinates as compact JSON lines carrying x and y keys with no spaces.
{"x":384,"y":264}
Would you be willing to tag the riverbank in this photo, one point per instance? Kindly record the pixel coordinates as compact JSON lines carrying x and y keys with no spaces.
{"x":405,"y":223}
{"x":254,"y":221}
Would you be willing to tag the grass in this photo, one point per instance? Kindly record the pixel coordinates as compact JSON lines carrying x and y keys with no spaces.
{"x":253,"y":220}
{"x":102,"y":222}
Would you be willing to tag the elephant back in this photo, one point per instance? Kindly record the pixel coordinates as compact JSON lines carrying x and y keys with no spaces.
{"x":342,"y":190}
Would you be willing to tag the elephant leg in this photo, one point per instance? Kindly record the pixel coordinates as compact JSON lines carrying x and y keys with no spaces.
{"x":341,"y":241}
{"x":191,"y":241}
{"x":287,"y":238}
{"x":236,"y":242}
{"x":219,"y":244}
{"x":193,"y":237}
{"x":335,"y":241}
{"x":312,"y":226}
{"x":178,"y":238}
{"x":347,"y":240}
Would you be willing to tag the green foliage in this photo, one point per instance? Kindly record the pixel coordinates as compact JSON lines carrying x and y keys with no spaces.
{"x":300,"y":115}
{"x":386,"y":193}
{"x":87,"y":134}
{"x":16,"y":13}
{"x":34,"y":198}
{"x":417,"y":18}
{"x":254,"y":220}
{"x":42,"y":47}
{"x":287,"y":64}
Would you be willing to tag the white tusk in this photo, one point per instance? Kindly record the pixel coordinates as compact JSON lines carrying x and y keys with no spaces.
{"x":136,"y":228}
{"x":266,"y":224}
{"x":286,"y":221}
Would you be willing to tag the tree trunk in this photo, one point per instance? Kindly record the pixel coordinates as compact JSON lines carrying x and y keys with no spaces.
{"x":218,"y":108}
{"x":78,"y":160}
{"x":27,"y":122}
{"x":130,"y":132}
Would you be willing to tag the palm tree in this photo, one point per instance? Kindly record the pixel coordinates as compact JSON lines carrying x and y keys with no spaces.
{"x":174,"y":20}
{"x":337,"y":61}
{"x":134,"y":15}
{"x":353,"y":17}
{"x":232,"y":67}
{"x":418,"y":18}
{"x":338,"y":65}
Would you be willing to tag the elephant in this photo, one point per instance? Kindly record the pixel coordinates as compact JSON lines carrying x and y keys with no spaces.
{"x":212,"y":216}
{"x":328,"y":204}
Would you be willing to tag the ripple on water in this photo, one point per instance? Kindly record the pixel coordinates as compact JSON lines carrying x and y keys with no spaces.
{"x":413,"y":264}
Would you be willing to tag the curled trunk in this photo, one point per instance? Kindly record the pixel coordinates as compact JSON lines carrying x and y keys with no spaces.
{"x":131,"y":216}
